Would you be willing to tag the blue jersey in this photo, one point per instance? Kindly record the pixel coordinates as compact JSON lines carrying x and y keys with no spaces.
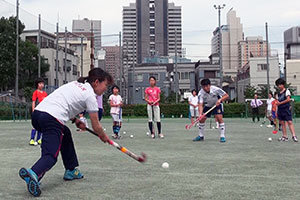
{"x":282,"y":97}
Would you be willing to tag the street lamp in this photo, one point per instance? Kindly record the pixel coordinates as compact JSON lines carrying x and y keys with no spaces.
{"x":219,"y":8}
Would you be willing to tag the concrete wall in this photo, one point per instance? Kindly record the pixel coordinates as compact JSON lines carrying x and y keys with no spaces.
{"x":293,"y":74}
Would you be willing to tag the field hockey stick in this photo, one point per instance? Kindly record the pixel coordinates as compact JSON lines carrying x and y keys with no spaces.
{"x":153,"y":123}
{"x":140,"y":159}
{"x":189,"y":126}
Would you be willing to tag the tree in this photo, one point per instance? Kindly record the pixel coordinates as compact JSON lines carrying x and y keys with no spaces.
{"x":249,"y":92}
{"x":28,"y":65}
{"x":263,"y":92}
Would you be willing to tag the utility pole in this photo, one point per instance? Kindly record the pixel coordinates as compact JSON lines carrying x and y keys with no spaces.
{"x":127,"y":88}
{"x":17,"y":51}
{"x":121,"y":63}
{"x":219,"y":8}
{"x":56,"y":61}
{"x":81,"y":56}
{"x":39,"y":48}
{"x":176,"y":68}
{"x":133,"y":67}
{"x":92,"y":47}
{"x":268,"y":66}
{"x":65,"y":63}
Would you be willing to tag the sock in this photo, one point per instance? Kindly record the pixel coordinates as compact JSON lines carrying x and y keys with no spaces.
{"x":159,"y":127}
{"x":115,"y":129}
{"x":118,"y":129}
{"x":217,"y":123}
{"x":150,"y":127}
{"x":33,"y":131}
{"x":272,"y":122}
{"x":222,"y":130}
{"x":201,"y":129}
{"x":38,"y":135}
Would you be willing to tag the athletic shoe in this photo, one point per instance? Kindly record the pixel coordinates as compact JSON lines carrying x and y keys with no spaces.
{"x":40,"y":141}
{"x":71,"y":175}
{"x":161,"y":136}
{"x":31,"y":180}
{"x":295,"y":139}
{"x":222,"y":139}
{"x":31,"y":142}
{"x":284,"y":139}
{"x":198,"y":138}
{"x":269,"y":126}
{"x":114,"y":136}
{"x":152,"y":136}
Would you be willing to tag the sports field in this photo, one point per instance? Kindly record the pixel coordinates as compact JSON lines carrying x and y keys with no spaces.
{"x":247,"y":166}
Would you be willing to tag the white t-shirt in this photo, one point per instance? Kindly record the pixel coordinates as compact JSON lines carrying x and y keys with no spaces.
{"x":115,"y":99}
{"x":193,"y":100}
{"x":211,"y":98}
{"x":69,"y":100}
{"x":269,"y":104}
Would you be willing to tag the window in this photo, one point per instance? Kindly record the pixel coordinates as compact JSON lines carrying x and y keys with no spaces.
{"x":57,"y":67}
{"x":261,"y":67}
{"x":152,"y":31}
{"x":74,"y":69}
{"x":155,"y":75}
{"x":152,"y":16}
{"x":209,"y":74}
{"x":185,"y":75}
{"x":152,"y":23}
{"x":152,"y":39}
{"x":139,"y":78}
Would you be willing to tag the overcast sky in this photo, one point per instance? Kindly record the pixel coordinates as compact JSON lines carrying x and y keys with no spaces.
{"x":199,"y":18}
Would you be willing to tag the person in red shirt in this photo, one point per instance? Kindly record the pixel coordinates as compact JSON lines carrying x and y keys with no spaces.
{"x":152,"y":97}
{"x":37,"y":97}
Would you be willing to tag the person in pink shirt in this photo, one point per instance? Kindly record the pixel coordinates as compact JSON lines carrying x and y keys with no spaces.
{"x":152,"y":97}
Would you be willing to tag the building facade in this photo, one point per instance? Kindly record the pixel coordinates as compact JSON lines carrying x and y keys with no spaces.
{"x":255,"y":74}
{"x":252,"y":47}
{"x":149,"y":29}
{"x":293,"y":74}
{"x":89,"y":26}
{"x":292,"y":43}
{"x":164,"y":74}
{"x":231,"y":35}
{"x":112,"y":60}
{"x":66,"y":73}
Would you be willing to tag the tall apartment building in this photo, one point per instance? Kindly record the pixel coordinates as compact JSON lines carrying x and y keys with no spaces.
{"x":292,"y":43}
{"x":252,"y":47}
{"x":112,"y":60}
{"x":231,"y":35}
{"x":89,"y":26}
{"x":149,"y":30}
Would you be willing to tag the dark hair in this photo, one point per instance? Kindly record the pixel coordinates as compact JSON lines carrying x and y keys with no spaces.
{"x":37,"y":81}
{"x":194,"y":90}
{"x":205,"y":82}
{"x":97,"y":74}
{"x":113,"y":87}
{"x":271,"y":93}
{"x":280,"y":81}
{"x":152,"y":77}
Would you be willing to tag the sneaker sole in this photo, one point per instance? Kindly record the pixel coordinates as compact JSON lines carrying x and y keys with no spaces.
{"x":32,"y":186}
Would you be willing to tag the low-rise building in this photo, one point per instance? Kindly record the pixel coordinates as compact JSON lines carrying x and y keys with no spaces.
{"x":65,"y":74}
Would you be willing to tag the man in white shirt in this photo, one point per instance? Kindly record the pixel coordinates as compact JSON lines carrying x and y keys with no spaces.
{"x":255,"y":104}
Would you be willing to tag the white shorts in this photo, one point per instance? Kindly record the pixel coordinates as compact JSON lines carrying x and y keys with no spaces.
{"x":194,"y":111}
{"x":116,"y":117}
{"x":269,"y":113}
{"x":156,"y":113}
